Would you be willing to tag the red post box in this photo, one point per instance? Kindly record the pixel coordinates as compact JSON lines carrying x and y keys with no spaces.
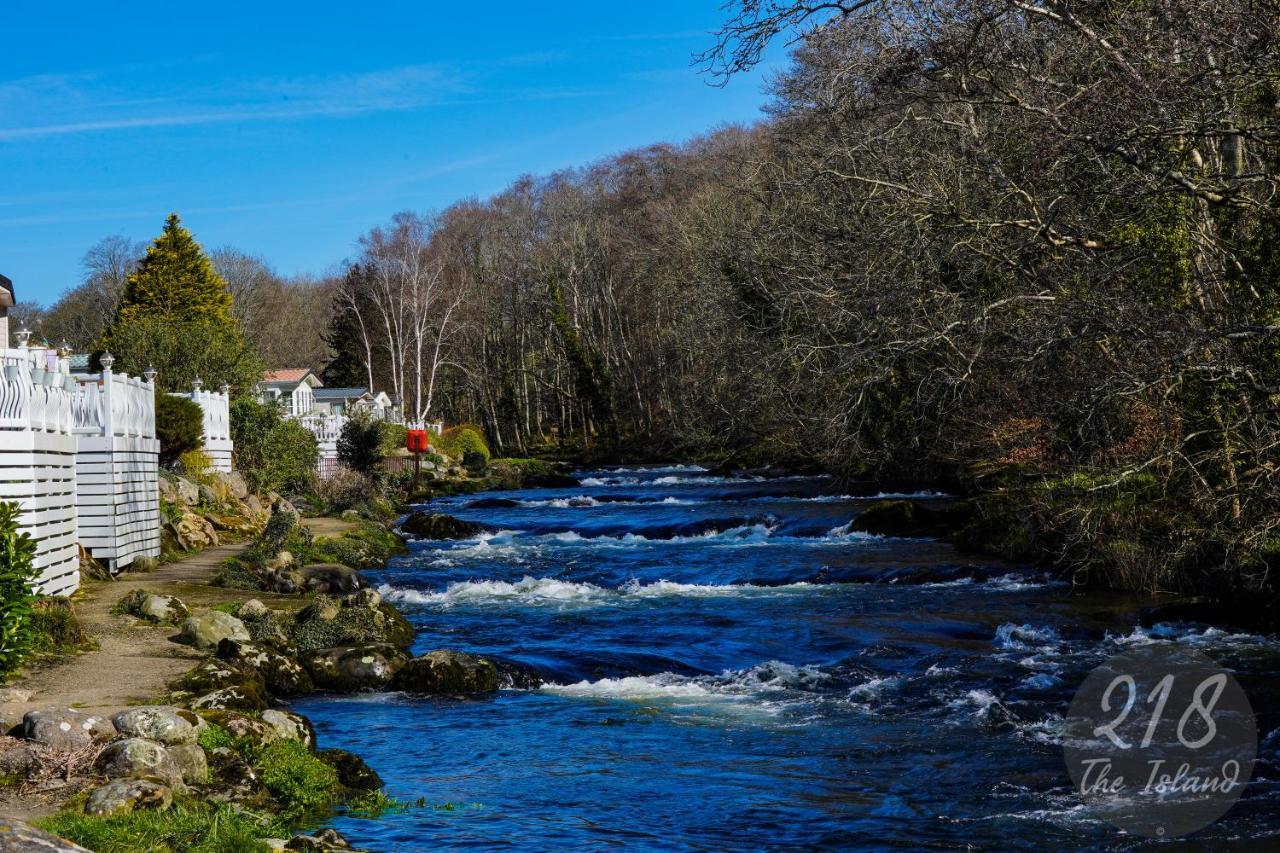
{"x":417,"y":441}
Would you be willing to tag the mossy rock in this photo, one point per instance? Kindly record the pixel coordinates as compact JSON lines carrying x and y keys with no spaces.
{"x":897,"y":518}
{"x":352,"y":770}
{"x":427,"y":525}
{"x":447,"y":673}
{"x":324,"y":627}
{"x":230,"y":687}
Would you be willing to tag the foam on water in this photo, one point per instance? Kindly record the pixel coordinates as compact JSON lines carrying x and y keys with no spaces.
{"x":533,"y":592}
{"x":770,"y":689}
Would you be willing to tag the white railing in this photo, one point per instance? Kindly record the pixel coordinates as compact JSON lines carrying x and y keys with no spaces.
{"x":217,"y":413}
{"x":326,"y":428}
{"x":114,"y":404}
{"x":35,"y":393}
{"x":216,"y":406}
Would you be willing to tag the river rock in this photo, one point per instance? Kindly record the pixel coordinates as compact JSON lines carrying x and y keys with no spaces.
{"x":291,"y":726}
{"x":325,"y":624}
{"x":122,"y":796}
{"x":191,"y":760}
{"x":65,"y":728}
{"x":287,"y":581}
{"x":331,"y":578}
{"x":138,"y":758}
{"x":426,"y":525}
{"x":212,"y":627}
{"x":160,"y":723}
{"x":352,"y":770}
{"x":896,"y":518}
{"x":324,"y":841}
{"x":241,"y":725}
{"x":493,"y":503}
{"x":232,"y":779}
{"x":447,"y":673}
{"x":283,"y":676}
{"x":19,"y":837}
{"x":253,"y":609}
{"x":230,"y":699}
{"x":213,"y":675}
{"x":366,"y":597}
{"x":351,"y":669}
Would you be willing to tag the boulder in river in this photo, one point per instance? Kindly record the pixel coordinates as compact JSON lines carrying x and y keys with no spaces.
{"x":447,"y":673}
{"x":896,"y":518}
{"x":352,"y":770}
{"x":425,"y":525}
{"x":351,"y":669}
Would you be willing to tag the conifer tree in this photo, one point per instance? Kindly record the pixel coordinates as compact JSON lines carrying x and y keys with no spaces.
{"x":175,"y":313}
{"x":175,"y":280}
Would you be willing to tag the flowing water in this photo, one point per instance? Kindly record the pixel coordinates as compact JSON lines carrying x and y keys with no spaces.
{"x":719,"y":663}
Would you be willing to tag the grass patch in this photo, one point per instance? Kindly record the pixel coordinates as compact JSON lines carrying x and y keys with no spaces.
{"x":55,"y":628}
{"x":300,"y":782}
{"x":189,"y":827}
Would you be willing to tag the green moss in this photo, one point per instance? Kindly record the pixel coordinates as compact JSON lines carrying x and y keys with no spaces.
{"x":190,"y":827}
{"x":300,"y":782}
{"x":237,"y":573}
{"x":353,"y":626}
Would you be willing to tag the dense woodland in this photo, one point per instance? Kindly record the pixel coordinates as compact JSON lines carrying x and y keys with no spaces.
{"x":1025,"y":249}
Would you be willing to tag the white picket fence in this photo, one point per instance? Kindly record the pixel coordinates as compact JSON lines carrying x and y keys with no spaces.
{"x":38,"y":460}
{"x":117,"y":468}
{"x":216,"y":406}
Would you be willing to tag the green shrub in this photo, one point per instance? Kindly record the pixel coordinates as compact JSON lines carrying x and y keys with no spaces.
{"x":360,"y":443}
{"x":293,"y":774}
{"x":455,"y":442}
{"x":190,"y":827}
{"x":17,"y":551}
{"x":213,"y":736}
{"x":179,"y":426}
{"x":55,"y":628}
{"x":273,"y":453}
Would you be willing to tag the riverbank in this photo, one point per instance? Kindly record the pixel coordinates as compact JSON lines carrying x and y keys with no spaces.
{"x":114,"y":712}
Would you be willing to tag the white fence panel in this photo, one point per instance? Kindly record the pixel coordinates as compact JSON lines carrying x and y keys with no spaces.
{"x":117,"y":468}
{"x":38,"y":460}
{"x":216,"y":406}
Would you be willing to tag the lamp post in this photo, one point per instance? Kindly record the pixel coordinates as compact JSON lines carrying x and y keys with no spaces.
{"x":24,"y":337}
{"x":150,"y":373}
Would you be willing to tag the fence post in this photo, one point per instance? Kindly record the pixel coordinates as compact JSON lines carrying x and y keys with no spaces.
{"x":108,"y":410}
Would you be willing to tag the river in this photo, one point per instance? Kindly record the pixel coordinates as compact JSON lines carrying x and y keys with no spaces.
{"x":724,"y":665}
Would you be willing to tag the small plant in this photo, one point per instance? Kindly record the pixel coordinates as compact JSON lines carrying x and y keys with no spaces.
{"x":294,"y":775}
{"x":196,"y":466}
{"x":55,"y":628}
{"x":17,"y":551}
{"x":170,"y":511}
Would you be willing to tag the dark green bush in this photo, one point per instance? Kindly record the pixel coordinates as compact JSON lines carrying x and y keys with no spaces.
{"x":273,"y":453}
{"x":179,"y":426}
{"x":17,"y":552}
{"x":360,"y":444}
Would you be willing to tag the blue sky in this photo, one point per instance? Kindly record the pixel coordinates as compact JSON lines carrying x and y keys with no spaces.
{"x":286,"y":130}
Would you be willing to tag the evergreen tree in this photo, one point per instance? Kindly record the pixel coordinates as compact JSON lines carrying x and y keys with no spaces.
{"x":176,"y":280}
{"x":175,"y":314}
